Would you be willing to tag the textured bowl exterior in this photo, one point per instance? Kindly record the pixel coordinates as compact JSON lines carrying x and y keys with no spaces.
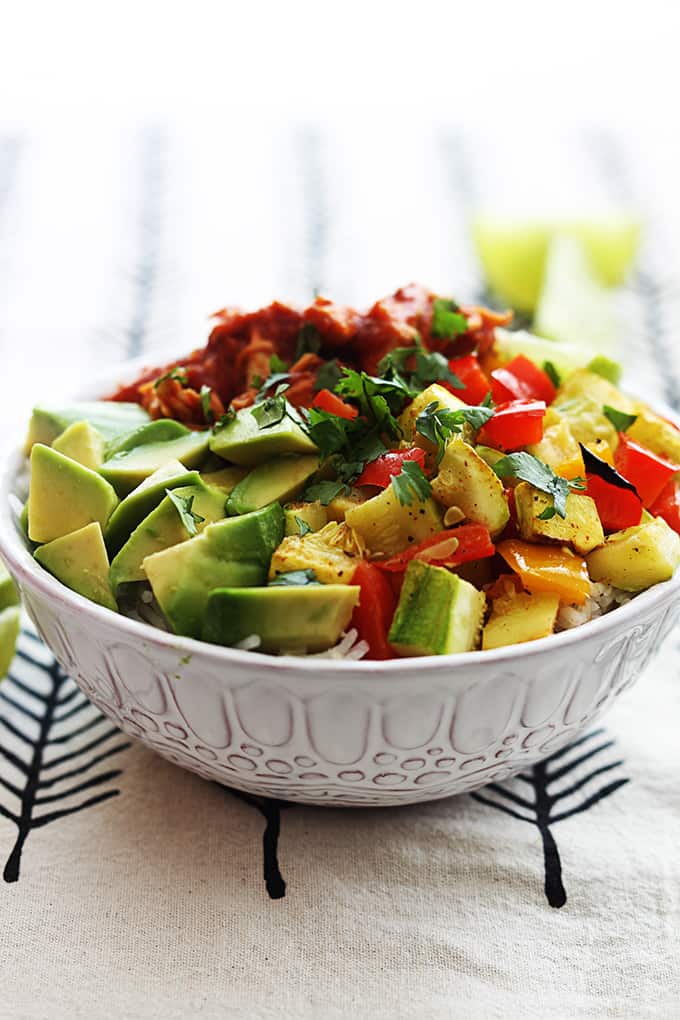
{"x":319,"y":731}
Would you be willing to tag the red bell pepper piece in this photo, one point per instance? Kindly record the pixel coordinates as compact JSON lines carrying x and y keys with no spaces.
{"x":617,"y":508}
{"x":514,"y":424}
{"x":472,"y":542}
{"x":373,"y":616}
{"x":327,"y":401}
{"x":521,"y":379}
{"x":667,"y":505}
{"x":648,"y":472}
{"x":475,"y":381}
{"x":381,"y":470}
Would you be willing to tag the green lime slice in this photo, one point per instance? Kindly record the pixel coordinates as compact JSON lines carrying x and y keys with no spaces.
{"x":9,"y":632}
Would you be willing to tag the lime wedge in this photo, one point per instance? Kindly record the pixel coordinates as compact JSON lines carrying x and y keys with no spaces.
{"x":565,"y":357}
{"x":513,"y":253}
{"x":573,"y":306}
{"x":9,"y":632}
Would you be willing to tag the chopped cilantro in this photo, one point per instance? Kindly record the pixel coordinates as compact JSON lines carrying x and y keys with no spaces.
{"x":552,"y":373}
{"x":447,"y":319}
{"x":308,"y":340}
{"x":619,"y":419}
{"x":328,"y":376}
{"x":411,"y":483}
{"x":294,"y":578}
{"x":302,"y":526}
{"x":225,"y":419}
{"x":208,"y":412}
{"x":324,"y":492}
{"x":272,"y":382}
{"x":178,"y":374}
{"x":428,"y":367}
{"x":277,"y":365}
{"x":530,"y":469}
{"x":271,"y":410}
{"x":378,"y":399}
{"x":183,"y":505}
{"x":438,"y":424}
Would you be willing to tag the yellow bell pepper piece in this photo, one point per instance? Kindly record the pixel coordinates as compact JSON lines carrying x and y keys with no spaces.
{"x":544,"y":568}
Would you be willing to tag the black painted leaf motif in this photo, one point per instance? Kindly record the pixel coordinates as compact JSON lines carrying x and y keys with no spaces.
{"x":545,"y":808}
{"x":40,"y":723}
{"x":271,"y":811}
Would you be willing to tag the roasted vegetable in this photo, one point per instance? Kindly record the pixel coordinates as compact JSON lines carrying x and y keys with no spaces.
{"x":580,"y":528}
{"x":332,"y":553}
{"x":638,"y":557}
{"x":517,"y":617}
{"x":465,"y":480}
{"x":387,"y":526}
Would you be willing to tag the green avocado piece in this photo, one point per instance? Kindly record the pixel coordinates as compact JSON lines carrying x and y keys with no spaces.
{"x":9,"y":596}
{"x":164,"y":527}
{"x":225,"y":478}
{"x":108,"y":417}
{"x":159,"y":431}
{"x":128,"y":469}
{"x":64,"y":496}
{"x":231,"y":553}
{"x":308,"y":618}
{"x":274,"y":482}
{"x":80,"y":562}
{"x":438,"y":613}
{"x":242,"y":441}
{"x":141,"y":501}
{"x":10,"y":621}
{"x":81,"y":442}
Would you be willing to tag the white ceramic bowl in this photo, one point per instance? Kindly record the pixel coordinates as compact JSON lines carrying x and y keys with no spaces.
{"x":332,"y":732}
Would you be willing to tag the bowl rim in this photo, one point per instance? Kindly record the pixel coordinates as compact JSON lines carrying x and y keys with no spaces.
{"x":14,"y":551}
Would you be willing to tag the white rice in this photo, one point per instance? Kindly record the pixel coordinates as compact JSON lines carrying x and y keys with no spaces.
{"x":602,"y":598}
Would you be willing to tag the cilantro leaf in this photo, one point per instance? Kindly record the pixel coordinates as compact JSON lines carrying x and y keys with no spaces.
{"x":178,"y":373}
{"x":438,"y":424}
{"x":552,"y":373}
{"x":208,"y":412}
{"x":447,"y":319}
{"x":225,"y":419}
{"x":308,"y":340}
{"x":294,"y":578}
{"x":302,"y":526}
{"x":619,"y":419}
{"x":277,"y":365}
{"x":411,"y":483}
{"x":272,"y":382}
{"x":270,"y":411}
{"x":328,"y":376}
{"x":530,"y":469}
{"x":324,"y":492}
{"x":183,"y":505}
{"x":428,"y":367}
{"x":378,"y":399}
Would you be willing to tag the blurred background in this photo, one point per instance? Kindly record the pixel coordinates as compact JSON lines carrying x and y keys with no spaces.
{"x":158,"y":161}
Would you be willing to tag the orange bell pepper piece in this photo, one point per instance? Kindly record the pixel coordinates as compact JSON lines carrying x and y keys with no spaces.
{"x":545,"y":568}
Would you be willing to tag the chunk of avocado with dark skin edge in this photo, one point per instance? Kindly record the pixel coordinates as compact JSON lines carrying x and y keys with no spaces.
{"x":231,"y":553}
{"x":80,"y":562}
{"x":130,"y":468}
{"x":159,"y":431}
{"x":438,"y":613}
{"x":64,"y":496}
{"x":162,"y":528}
{"x":108,"y":417}
{"x":242,"y":441}
{"x":286,"y":619}
{"x":275,"y":482}
{"x":141,"y":501}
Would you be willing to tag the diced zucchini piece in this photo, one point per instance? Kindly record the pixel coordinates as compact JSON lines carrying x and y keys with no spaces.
{"x":581,"y":528}
{"x":560,"y":451}
{"x":387,"y":527}
{"x":434,"y":394}
{"x":638,"y":557}
{"x":332,"y":553}
{"x":581,"y":400}
{"x":438,"y":613}
{"x":465,"y":480}
{"x":656,"y":434}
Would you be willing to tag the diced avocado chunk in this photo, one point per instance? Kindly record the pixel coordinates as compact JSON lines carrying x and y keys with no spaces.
{"x":519,"y":617}
{"x":226,"y":478}
{"x":313,"y":515}
{"x":465,"y":480}
{"x":108,"y":417}
{"x":159,"y":431}
{"x":277,"y":481}
{"x":656,"y":434}
{"x":438,"y":613}
{"x":242,"y":441}
{"x":141,"y":501}
{"x":80,"y":562}
{"x":638,"y":557}
{"x":231,"y":553}
{"x":10,"y":622}
{"x":581,"y":528}
{"x":332,"y":553}
{"x":9,"y":596}
{"x":581,"y":400}
{"x":64,"y":496}
{"x":126,"y":470}
{"x":386,"y":526}
{"x":83,"y":443}
{"x":310,"y":618}
{"x":434,"y":394}
{"x":162,"y":528}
